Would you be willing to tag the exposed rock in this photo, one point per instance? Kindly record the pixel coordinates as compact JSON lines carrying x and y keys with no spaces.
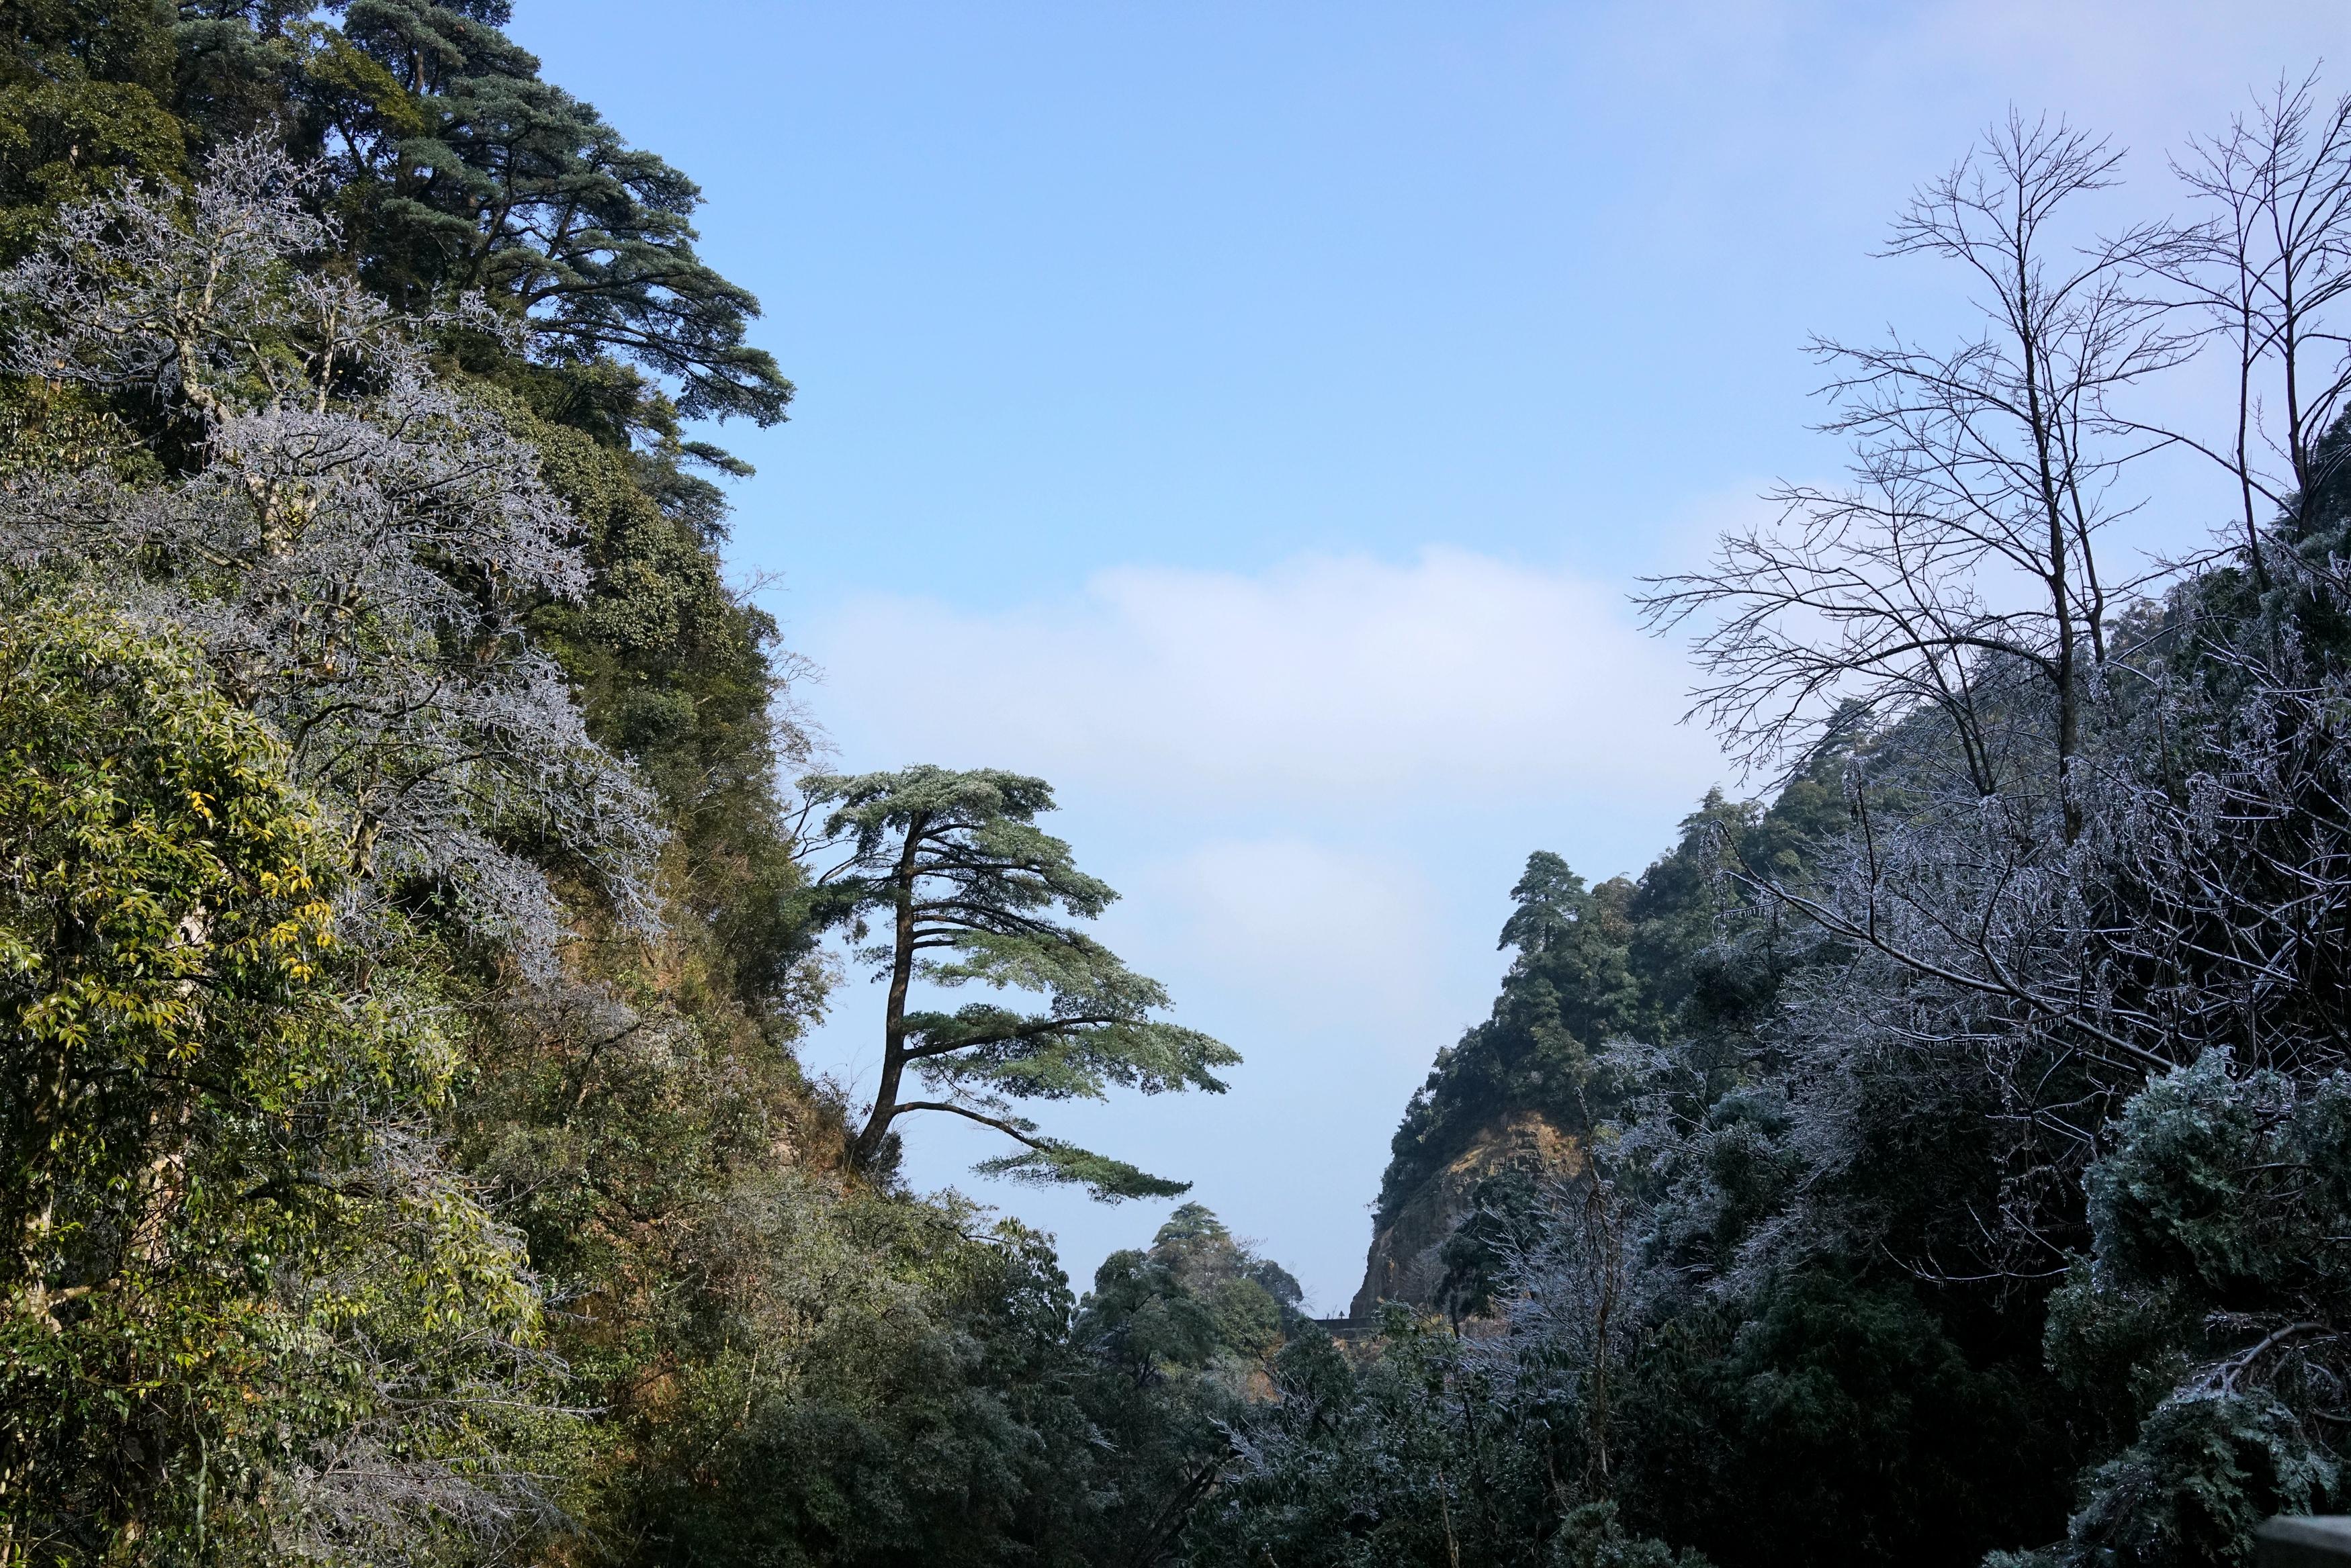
{"x":1404,"y":1265}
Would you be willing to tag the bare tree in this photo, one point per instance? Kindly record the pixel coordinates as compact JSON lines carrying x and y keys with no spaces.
{"x":1966,"y":548}
{"x":2267,"y":267}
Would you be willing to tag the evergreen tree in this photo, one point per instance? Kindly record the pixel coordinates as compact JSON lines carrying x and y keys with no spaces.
{"x":84,"y":87}
{"x":454,"y":166}
{"x":955,"y":864}
{"x":1569,"y":991}
{"x":1176,"y":1339}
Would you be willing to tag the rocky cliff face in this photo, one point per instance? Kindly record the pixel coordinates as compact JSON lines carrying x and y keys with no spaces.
{"x":1404,"y":1265}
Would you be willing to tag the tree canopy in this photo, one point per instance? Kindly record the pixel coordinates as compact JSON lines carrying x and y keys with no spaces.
{"x":972,"y":890}
{"x":231,"y":1241}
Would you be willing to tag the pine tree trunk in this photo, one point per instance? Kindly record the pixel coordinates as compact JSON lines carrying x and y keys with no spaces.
{"x":893,"y":1017}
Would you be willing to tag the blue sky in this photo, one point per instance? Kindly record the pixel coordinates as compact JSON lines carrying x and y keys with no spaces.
{"x":1250,"y":417}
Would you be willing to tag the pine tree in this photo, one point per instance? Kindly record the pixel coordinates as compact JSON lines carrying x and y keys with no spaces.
{"x":956,"y":862}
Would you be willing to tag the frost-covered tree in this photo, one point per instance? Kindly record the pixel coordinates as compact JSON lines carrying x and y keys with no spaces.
{"x":246,"y":1309}
{"x":2207,"y":1322}
{"x":355,"y":545}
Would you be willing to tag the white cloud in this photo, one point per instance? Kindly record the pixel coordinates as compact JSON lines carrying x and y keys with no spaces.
{"x":1344,"y":682}
{"x":1304,"y":934}
{"x":1314,"y":785}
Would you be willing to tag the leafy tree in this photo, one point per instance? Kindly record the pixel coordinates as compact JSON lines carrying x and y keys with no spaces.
{"x":356,"y":546}
{"x":517,"y":187}
{"x":956,"y":865}
{"x":1406,"y":1458}
{"x":242,"y":1300}
{"x":1195,"y":1296}
{"x":454,"y":166}
{"x":2036,"y":978}
{"x":366,"y":545}
{"x":1176,"y":1339}
{"x":873,"y":1380}
{"x":83,"y":93}
{"x":688,"y":683}
{"x":1506,"y":1216}
{"x":880,"y":1379}
{"x":1569,"y":989}
{"x":2207,"y":1319}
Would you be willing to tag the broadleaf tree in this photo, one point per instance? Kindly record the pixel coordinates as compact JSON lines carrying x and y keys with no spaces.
{"x":943,"y":877}
{"x":355,"y":547}
{"x":246,"y":1307}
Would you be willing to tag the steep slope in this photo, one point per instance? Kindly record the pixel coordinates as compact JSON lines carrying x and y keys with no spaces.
{"x":1676,"y":955}
{"x":1407,"y":1262}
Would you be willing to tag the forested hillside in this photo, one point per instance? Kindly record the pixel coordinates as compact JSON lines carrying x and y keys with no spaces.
{"x":416,"y":889}
{"x":1944,"y":1158}
{"x":409,"y":912}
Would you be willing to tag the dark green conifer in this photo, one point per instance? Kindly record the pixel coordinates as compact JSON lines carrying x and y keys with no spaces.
{"x":956,"y":865}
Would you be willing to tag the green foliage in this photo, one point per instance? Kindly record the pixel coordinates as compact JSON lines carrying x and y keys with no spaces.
{"x":454,"y":166}
{"x":282,"y":1113}
{"x":885,"y":1380}
{"x":1628,"y":1345}
{"x":1569,"y":991}
{"x":873,"y":1381}
{"x":957,"y":865}
{"x":476,"y":172}
{"x":229,"y":1244}
{"x":1683,"y":954}
{"x":1195,"y":1300}
{"x":1592,"y":1537}
{"x":1408,"y":1458}
{"x":1172,"y":1343}
{"x":603,"y":1110}
{"x":1829,"y":1417}
{"x":83,"y":90}
{"x":684,"y":679}
{"x":2206,"y":1318}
